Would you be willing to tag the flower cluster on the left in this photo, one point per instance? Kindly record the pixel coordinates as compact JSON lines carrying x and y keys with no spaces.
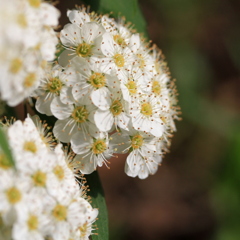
{"x":39,"y":197}
{"x":27,"y":42}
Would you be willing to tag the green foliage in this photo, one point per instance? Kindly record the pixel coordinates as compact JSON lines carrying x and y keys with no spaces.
{"x":98,"y":201}
{"x":226,"y":195}
{"x":127,"y":8}
{"x":5,"y":147}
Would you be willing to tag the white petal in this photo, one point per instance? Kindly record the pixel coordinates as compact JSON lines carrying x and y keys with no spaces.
{"x":66,"y":96}
{"x":71,"y":35}
{"x":107,"y":45}
{"x":85,"y":164}
{"x":128,"y":171}
{"x":69,"y":76}
{"x":83,"y":66}
{"x":141,"y":123}
{"x":157,"y":129}
{"x":120,"y":142}
{"x":90,"y":31}
{"x":101,"y":98}
{"x":133,"y":161}
{"x":81,"y":143}
{"x":80,"y":91}
{"x":65,"y":57}
{"x":61,"y":110}
{"x":49,"y":14}
{"x":78,"y":17}
{"x":123,"y":120}
{"x":135,"y":42}
{"x":104,"y":120}
{"x":43,"y":105}
{"x":64,"y":129}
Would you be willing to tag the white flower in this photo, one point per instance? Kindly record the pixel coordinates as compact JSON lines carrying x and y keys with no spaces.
{"x":72,"y":118}
{"x":91,"y":214}
{"x":92,"y":83}
{"x":66,"y":214}
{"x":115,"y":114}
{"x":55,"y":82}
{"x":64,"y":179}
{"x":12,"y":191}
{"x":82,"y":41}
{"x":25,"y":140}
{"x":78,"y":17}
{"x":121,"y":34}
{"x":19,"y":67}
{"x":132,"y":84}
{"x":31,"y":222}
{"x":143,"y":158}
{"x":92,"y":151}
{"x":117,"y":58}
{"x":145,"y":115}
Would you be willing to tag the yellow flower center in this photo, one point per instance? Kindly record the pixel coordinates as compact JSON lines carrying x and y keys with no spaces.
{"x":30,"y":146}
{"x":97,"y":80}
{"x":119,"y":40}
{"x":132,"y":87}
{"x":32,"y":223}
{"x":80,"y":114}
{"x":13,"y":195}
{"x":116,"y":108}
{"x":54,"y":85}
{"x":119,"y":60}
{"x":156,"y":88}
{"x":15,"y":65}
{"x":4,"y":162}
{"x":146,"y":109}
{"x":59,"y":172}
{"x":164,"y":119}
{"x":137,"y":141}
{"x":29,"y":80}
{"x":99,"y":146}
{"x":39,"y":179}
{"x":141,"y":61}
{"x":60,"y":212}
{"x":84,"y":50}
{"x":35,"y":3}
{"x":83,"y":230}
{"x":22,"y":21}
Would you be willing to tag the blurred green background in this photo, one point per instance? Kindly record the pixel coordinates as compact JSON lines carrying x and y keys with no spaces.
{"x":195,"y":195}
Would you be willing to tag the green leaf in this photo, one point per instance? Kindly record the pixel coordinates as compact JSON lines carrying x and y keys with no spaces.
{"x":127,"y":8}
{"x":5,"y":147}
{"x":98,"y":201}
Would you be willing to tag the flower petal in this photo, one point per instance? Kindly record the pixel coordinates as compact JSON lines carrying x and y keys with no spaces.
{"x":61,"y":110}
{"x":104,"y":120}
{"x":64,"y":129}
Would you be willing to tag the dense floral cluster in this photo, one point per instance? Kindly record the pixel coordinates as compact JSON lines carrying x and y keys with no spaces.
{"x":27,"y":41}
{"x":111,"y":93}
{"x":39,"y":197}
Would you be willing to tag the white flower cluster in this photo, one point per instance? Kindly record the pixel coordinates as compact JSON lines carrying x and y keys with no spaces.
{"x":40,"y":198}
{"x":109,"y":80}
{"x":27,"y":41}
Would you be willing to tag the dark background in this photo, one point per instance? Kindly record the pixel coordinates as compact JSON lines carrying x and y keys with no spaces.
{"x":195,"y":194}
